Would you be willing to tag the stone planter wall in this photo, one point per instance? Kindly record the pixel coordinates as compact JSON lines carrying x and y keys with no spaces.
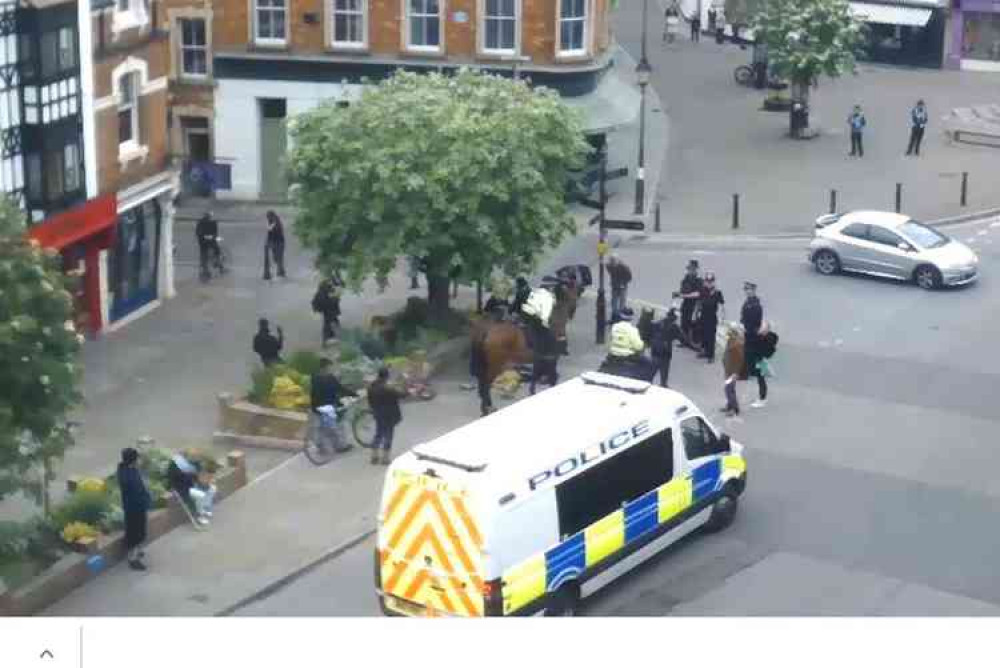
{"x":72,"y":571}
{"x":246,"y":425}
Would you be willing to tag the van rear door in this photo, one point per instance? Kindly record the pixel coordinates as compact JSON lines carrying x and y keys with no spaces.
{"x":430,"y":548}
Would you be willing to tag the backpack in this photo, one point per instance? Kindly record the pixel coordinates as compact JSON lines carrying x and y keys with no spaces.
{"x":770,"y":345}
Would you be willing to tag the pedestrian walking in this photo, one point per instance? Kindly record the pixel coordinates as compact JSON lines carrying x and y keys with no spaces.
{"x":384,"y":402}
{"x":857,"y":123}
{"x":136,"y":503}
{"x":479,"y":369}
{"x":661,"y":345}
{"x":720,"y":27}
{"x":266,"y":344}
{"x":691,"y":286}
{"x":326,"y":302}
{"x":732,"y":368}
{"x":207,"y":233}
{"x":711,"y":301}
{"x":695,"y":28}
{"x":918,"y":121}
{"x":621,"y":276}
{"x":711,"y":19}
{"x":671,"y":24}
{"x":752,"y":319}
{"x":274,"y":247}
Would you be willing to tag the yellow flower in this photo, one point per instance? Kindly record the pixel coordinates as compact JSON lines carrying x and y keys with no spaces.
{"x":74,"y":531}
{"x":92,"y":485}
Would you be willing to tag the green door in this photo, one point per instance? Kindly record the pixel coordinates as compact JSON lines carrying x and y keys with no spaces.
{"x":273,"y":143}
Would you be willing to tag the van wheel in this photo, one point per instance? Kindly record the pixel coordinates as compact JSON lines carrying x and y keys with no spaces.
{"x":723,"y":512}
{"x":563,"y":602}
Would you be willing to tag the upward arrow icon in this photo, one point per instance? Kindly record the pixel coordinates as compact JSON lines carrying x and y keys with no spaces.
{"x":46,"y":655}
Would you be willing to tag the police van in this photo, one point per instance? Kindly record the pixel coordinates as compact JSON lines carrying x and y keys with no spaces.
{"x":538,"y":505}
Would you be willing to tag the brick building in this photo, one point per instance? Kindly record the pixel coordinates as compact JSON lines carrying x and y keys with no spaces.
{"x":130,"y":44}
{"x":275,"y":58}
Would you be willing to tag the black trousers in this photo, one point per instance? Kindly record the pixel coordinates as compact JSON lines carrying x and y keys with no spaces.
{"x":383,"y":436}
{"x":687,"y":313}
{"x":277,"y":251}
{"x":483,"y":387}
{"x":708,"y":329}
{"x":662,"y":368}
{"x":209,"y":252}
{"x":916,"y":136}
{"x":857,"y":144}
{"x":331,"y":323}
{"x":695,"y":31}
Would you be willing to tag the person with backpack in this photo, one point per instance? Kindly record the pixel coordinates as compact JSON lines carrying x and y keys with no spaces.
{"x":756,"y":342}
{"x":326,"y":302}
{"x":384,"y":402}
{"x":661,"y":345}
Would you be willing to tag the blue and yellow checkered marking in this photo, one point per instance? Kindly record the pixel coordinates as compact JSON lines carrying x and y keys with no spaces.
{"x":544,"y":572}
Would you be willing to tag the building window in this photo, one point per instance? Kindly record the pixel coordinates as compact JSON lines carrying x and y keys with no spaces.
{"x":194,"y":48}
{"x":424,"y":19}
{"x":349,"y":22}
{"x":572,"y":27}
{"x":128,"y":116}
{"x":982,"y":36}
{"x":124,"y":5}
{"x":71,"y":164}
{"x":67,"y":49}
{"x":270,"y":21}
{"x":500,"y":26}
{"x":34,"y":176}
{"x":129,"y":14}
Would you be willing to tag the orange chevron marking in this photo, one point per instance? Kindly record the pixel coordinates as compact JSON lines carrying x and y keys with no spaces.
{"x":397,"y":497}
{"x":404,"y":524}
{"x":449,"y":528}
{"x":470,"y":526}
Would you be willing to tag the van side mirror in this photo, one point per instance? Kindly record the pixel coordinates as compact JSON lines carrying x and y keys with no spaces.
{"x":903,"y":246}
{"x":724,"y":441}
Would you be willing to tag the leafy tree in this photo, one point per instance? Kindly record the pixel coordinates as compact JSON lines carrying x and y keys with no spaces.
{"x":808,"y":38}
{"x":466,"y":173}
{"x":39,"y":351}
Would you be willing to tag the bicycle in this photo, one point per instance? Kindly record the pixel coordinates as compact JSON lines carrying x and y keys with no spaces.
{"x":355,"y":413}
{"x":219,"y":263}
{"x":744,"y":75}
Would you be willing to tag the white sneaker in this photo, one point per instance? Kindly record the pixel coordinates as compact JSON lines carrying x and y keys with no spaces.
{"x":760,"y":403}
{"x":203,"y":521}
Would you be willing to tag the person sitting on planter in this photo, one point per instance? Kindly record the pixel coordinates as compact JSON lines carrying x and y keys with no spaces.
{"x":184,"y":477}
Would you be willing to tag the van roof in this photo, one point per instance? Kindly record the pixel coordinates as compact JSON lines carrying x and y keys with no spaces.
{"x":502,"y":450}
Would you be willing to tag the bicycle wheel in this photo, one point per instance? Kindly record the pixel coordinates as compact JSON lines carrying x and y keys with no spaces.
{"x":363,"y":427}
{"x":314,"y":453}
{"x":743,"y":75}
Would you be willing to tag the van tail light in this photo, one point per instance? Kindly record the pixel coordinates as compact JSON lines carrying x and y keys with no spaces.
{"x":378,"y":569}
{"x":493,"y":598}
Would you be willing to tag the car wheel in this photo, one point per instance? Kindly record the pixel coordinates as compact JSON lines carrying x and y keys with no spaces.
{"x":564,"y":602}
{"x":927,"y":277}
{"x":723,"y":512}
{"x":826,"y":262}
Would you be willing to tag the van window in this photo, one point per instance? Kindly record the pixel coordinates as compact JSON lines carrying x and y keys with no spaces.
{"x":603,"y":489}
{"x":699,"y":439}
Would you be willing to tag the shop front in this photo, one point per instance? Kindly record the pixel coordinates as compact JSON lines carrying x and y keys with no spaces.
{"x":81,"y":235}
{"x":910,"y":32}
{"x":975,"y":39}
{"x":133,"y":264}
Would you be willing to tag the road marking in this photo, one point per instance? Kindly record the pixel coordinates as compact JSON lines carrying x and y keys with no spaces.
{"x":983,"y":233}
{"x":268,"y":474}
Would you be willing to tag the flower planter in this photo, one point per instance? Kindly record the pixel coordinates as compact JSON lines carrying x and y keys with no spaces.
{"x":246,"y":425}
{"x":75,"y":570}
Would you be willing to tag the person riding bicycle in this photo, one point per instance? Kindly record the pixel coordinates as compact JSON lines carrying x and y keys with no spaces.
{"x":326,"y":399}
{"x":207,"y":233}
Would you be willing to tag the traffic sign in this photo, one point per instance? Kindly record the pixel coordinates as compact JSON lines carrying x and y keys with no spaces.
{"x":637,"y":225}
{"x":593,"y":203}
{"x":602,"y":248}
{"x":595,"y":220}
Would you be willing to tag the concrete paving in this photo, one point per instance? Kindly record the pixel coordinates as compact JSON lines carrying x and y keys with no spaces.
{"x":872,"y":484}
{"x":721,"y":143}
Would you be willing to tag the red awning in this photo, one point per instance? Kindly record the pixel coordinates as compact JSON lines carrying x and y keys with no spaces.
{"x":69,"y":227}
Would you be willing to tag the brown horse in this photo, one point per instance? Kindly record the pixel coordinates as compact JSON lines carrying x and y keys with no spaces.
{"x":506,"y":343}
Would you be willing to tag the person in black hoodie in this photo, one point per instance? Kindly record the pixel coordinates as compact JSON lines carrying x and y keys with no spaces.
{"x":752,"y":318}
{"x":384,"y":402}
{"x":661,"y":345}
{"x":325,"y":389}
{"x":274,"y":246}
{"x":326,"y":302}
{"x":266,"y":344}
{"x":136,"y":503}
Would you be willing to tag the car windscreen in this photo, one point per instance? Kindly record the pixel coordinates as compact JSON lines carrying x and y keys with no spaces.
{"x":923,"y":236}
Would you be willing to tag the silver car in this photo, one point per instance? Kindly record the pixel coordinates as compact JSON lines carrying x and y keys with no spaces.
{"x":892,"y":245}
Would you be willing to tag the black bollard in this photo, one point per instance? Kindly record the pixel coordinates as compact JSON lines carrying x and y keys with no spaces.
{"x":899,"y":197}
{"x":657,"y":217}
{"x":833,"y":200}
{"x":965,"y":188}
{"x":736,"y":211}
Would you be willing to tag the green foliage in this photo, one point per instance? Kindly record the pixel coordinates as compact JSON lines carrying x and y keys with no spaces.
{"x":82,"y":506}
{"x":14,"y":540}
{"x":153,"y":463}
{"x":466,"y":172}
{"x":39,"y":351}
{"x":305,"y":362}
{"x":809,"y":38}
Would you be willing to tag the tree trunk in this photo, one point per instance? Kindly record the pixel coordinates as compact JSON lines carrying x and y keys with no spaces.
{"x":438,"y":294}
{"x":799,"y":90}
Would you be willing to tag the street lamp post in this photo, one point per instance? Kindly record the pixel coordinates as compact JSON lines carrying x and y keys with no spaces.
{"x":602,"y":249}
{"x":642,"y":73}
